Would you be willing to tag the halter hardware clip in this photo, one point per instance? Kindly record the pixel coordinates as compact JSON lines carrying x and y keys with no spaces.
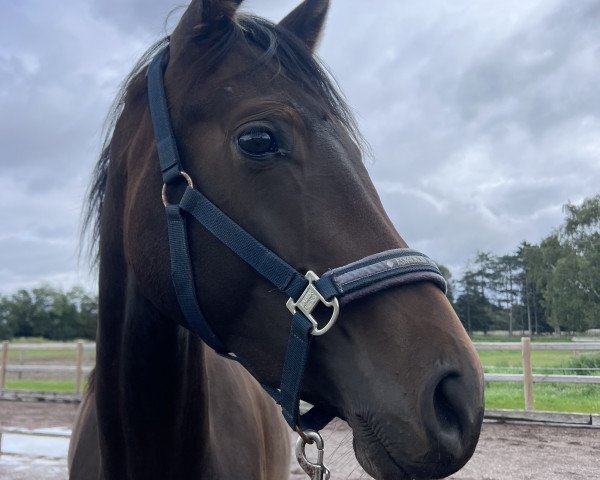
{"x":307,"y":302}
{"x":317,"y":470}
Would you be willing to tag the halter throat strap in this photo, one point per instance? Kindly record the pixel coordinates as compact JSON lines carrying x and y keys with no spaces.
{"x":304,"y":292}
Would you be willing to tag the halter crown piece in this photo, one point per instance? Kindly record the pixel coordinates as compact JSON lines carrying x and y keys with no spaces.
{"x":304,"y":292}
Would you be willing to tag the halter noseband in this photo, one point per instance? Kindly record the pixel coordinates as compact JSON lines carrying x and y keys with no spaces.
{"x":336,"y":287}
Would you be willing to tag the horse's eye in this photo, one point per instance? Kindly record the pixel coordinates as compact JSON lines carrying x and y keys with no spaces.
{"x":257,"y":142}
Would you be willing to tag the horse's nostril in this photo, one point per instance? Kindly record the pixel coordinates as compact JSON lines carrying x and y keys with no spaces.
{"x":444,"y":408}
{"x":454,"y":420}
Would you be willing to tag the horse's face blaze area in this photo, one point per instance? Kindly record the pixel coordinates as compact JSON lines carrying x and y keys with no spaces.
{"x":270,"y":151}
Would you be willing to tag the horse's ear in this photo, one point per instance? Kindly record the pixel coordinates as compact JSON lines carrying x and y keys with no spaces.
{"x":306,"y":21}
{"x":204,"y":15}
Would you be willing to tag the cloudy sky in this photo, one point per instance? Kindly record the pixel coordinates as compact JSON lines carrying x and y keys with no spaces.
{"x":483,"y":116}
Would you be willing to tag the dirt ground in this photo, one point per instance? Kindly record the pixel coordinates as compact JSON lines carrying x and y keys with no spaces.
{"x":505,"y":451}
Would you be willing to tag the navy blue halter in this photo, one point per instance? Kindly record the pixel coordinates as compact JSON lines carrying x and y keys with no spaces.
{"x":304,"y":292}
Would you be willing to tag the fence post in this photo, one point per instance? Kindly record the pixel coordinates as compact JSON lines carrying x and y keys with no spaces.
{"x":527,"y":373}
{"x":79,"y":366}
{"x":21,"y":362}
{"x":4,"y":364}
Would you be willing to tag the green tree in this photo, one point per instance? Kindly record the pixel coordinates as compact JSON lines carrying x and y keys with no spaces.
{"x":7,"y":328}
{"x":24,"y":312}
{"x":87,"y":308}
{"x":485,"y":274}
{"x":532,"y":269}
{"x":472,"y":306}
{"x":506,"y":275}
{"x":63,"y":318}
{"x":50,"y":313}
{"x":573,"y":291}
{"x":566,"y":302}
{"x":555,"y":284}
{"x":565,"y":269}
{"x":549,"y":253}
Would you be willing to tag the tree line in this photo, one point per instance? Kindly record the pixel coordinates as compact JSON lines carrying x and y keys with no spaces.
{"x":551,"y":286}
{"x":50,"y":313}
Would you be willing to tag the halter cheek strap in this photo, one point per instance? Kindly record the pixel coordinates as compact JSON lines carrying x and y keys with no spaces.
{"x":304,"y":292}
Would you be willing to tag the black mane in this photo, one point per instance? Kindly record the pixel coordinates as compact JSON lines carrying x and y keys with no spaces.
{"x":277,"y":45}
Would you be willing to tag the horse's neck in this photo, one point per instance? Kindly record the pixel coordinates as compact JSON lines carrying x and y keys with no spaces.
{"x":151,"y":390}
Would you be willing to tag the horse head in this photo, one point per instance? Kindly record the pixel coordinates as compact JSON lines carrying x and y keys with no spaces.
{"x":264,"y":133}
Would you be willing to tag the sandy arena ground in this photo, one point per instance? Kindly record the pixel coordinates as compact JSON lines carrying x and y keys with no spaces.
{"x":505,"y":451}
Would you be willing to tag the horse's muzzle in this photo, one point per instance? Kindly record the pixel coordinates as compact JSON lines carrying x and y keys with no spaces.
{"x":433,"y":441}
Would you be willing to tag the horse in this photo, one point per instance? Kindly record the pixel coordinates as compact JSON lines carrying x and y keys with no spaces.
{"x":264,"y":133}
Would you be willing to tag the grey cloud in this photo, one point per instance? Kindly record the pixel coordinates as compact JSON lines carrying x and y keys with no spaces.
{"x":159,"y":18}
{"x":490,"y":111}
{"x":533,"y":76}
{"x":139,"y":16}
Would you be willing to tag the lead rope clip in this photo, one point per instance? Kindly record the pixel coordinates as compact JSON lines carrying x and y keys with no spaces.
{"x":315,"y":471}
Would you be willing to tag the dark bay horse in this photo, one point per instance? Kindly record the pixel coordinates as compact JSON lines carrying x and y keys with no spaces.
{"x":263,"y":133}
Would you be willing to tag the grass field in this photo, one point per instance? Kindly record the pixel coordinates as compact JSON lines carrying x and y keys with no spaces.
{"x":547,"y":396}
{"x":63,"y":386}
{"x":552,"y":397}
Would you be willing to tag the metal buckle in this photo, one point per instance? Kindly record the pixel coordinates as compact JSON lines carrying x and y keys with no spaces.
{"x":187,"y":178}
{"x":307,"y":302}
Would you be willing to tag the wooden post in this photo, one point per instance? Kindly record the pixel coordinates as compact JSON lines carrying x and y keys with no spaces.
{"x":527,"y":373}
{"x":21,"y":362}
{"x":4,"y":365}
{"x":79,"y":366}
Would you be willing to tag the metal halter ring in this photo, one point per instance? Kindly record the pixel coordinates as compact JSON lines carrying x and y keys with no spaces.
{"x":187,"y":178}
{"x":307,"y":302}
